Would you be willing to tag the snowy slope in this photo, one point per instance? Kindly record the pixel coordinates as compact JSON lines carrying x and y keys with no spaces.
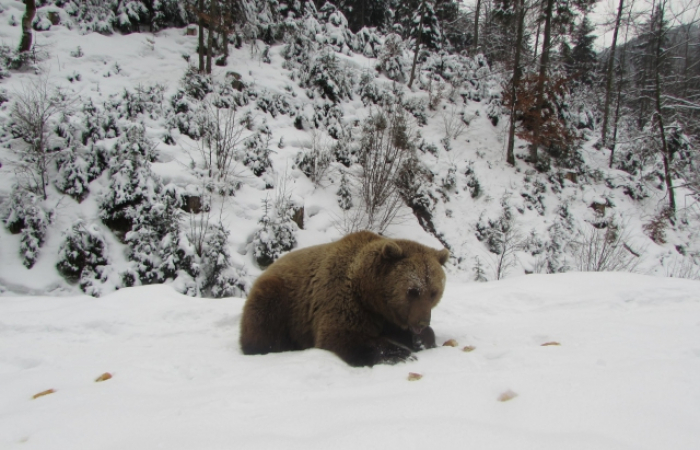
{"x":623,"y":377}
{"x":109,"y":65}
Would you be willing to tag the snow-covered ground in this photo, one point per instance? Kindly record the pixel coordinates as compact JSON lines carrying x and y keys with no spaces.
{"x":624,"y":375}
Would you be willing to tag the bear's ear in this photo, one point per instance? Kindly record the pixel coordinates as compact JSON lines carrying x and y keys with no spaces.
{"x":442,"y":256}
{"x":391,"y":251}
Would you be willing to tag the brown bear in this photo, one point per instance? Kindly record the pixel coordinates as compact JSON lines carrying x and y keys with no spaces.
{"x":366,"y":298}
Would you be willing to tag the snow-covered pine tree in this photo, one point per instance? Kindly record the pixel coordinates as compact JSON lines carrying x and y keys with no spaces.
{"x":256,"y":152}
{"x":73,"y":175}
{"x":136,"y":144}
{"x":344,"y":194}
{"x":478,"y":269}
{"x":583,"y":60}
{"x":129,"y":180}
{"x":326,"y":76}
{"x":220,"y":279}
{"x":81,"y":256}
{"x":275,"y":234}
{"x":28,"y":216}
{"x":154,"y":240}
{"x":391,"y":60}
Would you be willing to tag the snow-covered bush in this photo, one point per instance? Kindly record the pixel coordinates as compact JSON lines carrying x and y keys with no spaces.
{"x":315,"y":160}
{"x":275,"y":234}
{"x":414,"y":181}
{"x":154,"y":241}
{"x":346,"y":150}
{"x":274,"y":104}
{"x":104,"y":16}
{"x":131,"y":183}
{"x":533,"y":196}
{"x":98,"y":124}
{"x":144,"y":100}
{"x":449,"y":181}
{"x":256,"y":152}
{"x":81,"y":256}
{"x":417,"y":108}
{"x":472,"y":183}
{"x":329,"y":116}
{"x":170,"y":12}
{"x":298,"y":50}
{"x":370,"y":91}
{"x":30,"y":218}
{"x":73,"y":175}
{"x":335,"y":28}
{"x":344,"y":194}
{"x":326,"y":76}
{"x":219,"y":277}
{"x":492,"y":232}
{"x":135,"y":144}
{"x":197,"y":85}
{"x":478,"y":270}
{"x":391,"y":60}
{"x":367,"y":42}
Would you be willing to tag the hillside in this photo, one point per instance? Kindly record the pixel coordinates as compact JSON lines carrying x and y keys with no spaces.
{"x":127,"y":144}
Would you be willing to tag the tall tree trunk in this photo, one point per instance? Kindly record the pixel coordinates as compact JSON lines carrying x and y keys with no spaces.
{"x":667,"y":155}
{"x":537,"y":41}
{"x":213,"y":16}
{"x":476,"y":26}
{"x":613,"y":144}
{"x":415,"y":55}
{"x":26,"y":43}
{"x":544,"y":65}
{"x":200,"y":23}
{"x":510,"y":153}
{"x":609,"y":76}
{"x":620,"y":81}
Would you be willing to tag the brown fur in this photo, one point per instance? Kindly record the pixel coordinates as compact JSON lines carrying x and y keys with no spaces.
{"x":365,"y":297}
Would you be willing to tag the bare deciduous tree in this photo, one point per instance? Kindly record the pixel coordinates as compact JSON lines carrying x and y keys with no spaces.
{"x":386,"y":146}
{"x":222,"y":137}
{"x":36,"y":104}
{"x":606,"y":250}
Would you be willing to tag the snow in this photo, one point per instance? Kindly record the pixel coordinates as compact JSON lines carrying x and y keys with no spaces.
{"x":623,"y":377}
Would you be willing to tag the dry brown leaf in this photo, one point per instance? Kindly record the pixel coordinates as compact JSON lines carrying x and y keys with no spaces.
{"x":469,"y":348}
{"x":507,"y":395}
{"x":42,"y":393}
{"x":547,"y":344}
{"x":450,"y":343}
{"x":104,"y":377}
{"x":413,"y":376}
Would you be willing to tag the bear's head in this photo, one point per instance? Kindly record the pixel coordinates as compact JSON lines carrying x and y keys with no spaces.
{"x":404,"y":283}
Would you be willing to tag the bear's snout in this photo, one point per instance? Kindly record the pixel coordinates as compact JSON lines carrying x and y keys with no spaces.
{"x":420,"y":326}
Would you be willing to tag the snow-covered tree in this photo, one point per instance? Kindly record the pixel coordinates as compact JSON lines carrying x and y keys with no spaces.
{"x":275,"y":233}
{"x":28,"y":216}
{"x":82,"y":257}
{"x":73,"y":175}
{"x":220,"y":278}
{"x":344,"y":193}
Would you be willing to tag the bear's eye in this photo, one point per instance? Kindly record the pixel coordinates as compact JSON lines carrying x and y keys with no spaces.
{"x":414,"y":292}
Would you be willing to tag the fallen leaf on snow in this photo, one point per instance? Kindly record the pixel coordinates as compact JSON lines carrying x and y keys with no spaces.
{"x":104,"y":377}
{"x":546,"y":344}
{"x":42,"y":393}
{"x":469,"y":348}
{"x":507,"y":395}
{"x":413,"y":376}
{"x":450,"y":343}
